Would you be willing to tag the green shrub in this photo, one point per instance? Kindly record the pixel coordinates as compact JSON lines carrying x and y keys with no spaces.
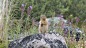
{"x":60,"y":7}
{"x":39,"y":7}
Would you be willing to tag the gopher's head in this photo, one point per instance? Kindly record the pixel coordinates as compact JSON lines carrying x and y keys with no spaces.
{"x":43,"y":17}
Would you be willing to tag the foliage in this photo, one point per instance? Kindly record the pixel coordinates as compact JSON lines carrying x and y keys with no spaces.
{"x":67,"y":8}
{"x":39,"y":7}
{"x":2,"y":43}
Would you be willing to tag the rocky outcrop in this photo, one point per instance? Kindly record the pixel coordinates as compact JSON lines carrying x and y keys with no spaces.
{"x":56,"y":20}
{"x":43,"y":40}
{"x":74,"y":31}
{"x":67,"y":28}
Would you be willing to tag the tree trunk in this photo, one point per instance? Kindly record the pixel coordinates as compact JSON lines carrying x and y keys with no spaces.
{"x":2,"y":11}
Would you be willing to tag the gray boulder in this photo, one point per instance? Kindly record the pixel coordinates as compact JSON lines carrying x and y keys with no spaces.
{"x":67,"y":27}
{"x":43,"y":40}
{"x":74,"y":31}
{"x":56,"y":20}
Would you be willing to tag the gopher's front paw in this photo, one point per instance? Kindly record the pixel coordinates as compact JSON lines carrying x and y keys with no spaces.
{"x":42,"y":25}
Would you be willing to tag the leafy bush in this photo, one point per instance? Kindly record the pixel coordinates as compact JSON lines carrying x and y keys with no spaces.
{"x":65,"y":7}
{"x":39,"y":7}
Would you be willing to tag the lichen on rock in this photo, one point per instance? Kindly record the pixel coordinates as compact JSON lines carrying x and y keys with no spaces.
{"x":43,"y":40}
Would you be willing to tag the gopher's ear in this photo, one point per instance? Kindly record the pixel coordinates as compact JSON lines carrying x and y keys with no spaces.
{"x":41,"y":16}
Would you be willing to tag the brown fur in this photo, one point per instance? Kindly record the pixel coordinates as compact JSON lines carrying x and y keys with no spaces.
{"x":43,"y":26}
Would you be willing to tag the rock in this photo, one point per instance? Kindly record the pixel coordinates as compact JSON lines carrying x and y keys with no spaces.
{"x":74,"y":31}
{"x":67,"y":27}
{"x":43,"y":40}
{"x":56,"y":20}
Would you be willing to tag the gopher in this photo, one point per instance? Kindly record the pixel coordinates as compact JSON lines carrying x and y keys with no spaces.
{"x":43,"y":26}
